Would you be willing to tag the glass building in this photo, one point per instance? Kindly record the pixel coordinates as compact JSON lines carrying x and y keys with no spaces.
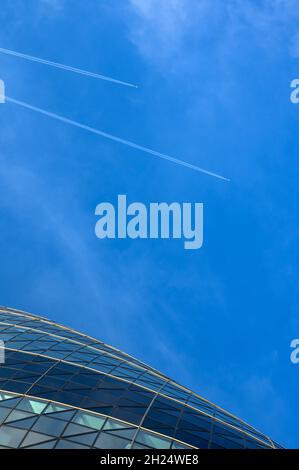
{"x":63,"y":389}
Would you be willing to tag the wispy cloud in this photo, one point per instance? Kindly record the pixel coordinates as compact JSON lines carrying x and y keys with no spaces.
{"x":159,"y":28}
{"x":162,"y":30}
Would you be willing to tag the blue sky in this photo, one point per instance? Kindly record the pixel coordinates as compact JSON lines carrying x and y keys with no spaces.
{"x":214,"y":85}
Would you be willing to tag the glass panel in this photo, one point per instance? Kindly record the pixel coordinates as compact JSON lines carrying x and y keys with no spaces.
{"x":178,"y":445}
{"x":253,"y":444}
{"x":64,"y":444}
{"x":86,"y":439}
{"x":113,"y":424}
{"x":35,"y":406}
{"x":10,"y":403}
{"x":126,"y":433}
{"x":73,"y":429}
{"x":15,"y":415}
{"x":11,"y":437}
{"x":24,"y":423}
{"x":152,"y":440}
{"x":52,"y":408}
{"x":45,"y":445}
{"x":227,"y":437}
{"x":107,"y":441}
{"x":139,"y":446}
{"x":5,"y":396}
{"x":65,"y":415}
{"x":34,"y":438}
{"x":3,"y":414}
{"x":86,"y":419}
{"x":47,"y":425}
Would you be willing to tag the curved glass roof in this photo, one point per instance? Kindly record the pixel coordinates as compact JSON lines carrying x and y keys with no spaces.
{"x":53,"y":362}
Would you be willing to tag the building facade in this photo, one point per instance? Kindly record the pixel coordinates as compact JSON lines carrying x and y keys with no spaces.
{"x":63,"y":389}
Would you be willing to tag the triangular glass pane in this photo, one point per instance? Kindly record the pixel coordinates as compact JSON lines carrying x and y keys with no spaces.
{"x":5,"y":396}
{"x":65,"y":415}
{"x":45,"y":445}
{"x":3,"y":414}
{"x":53,"y":408}
{"x":10,"y":436}
{"x":139,"y":446}
{"x":15,"y":415}
{"x":107,"y":441}
{"x":35,"y":438}
{"x":64,"y":444}
{"x":113,"y":424}
{"x":152,"y":440}
{"x":127,"y":433}
{"x":89,"y":420}
{"x":87,"y":439}
{"x":34,"y":406}
{"x":11,"y":403}
{"x":74,"y":429}
{"x":47,"y":425}
{"x":23,"y":423}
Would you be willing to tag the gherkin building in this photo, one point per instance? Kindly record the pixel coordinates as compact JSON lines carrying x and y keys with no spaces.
{"x":65,"y":390}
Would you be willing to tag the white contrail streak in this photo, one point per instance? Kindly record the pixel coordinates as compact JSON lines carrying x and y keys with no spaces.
{"x":65,"y":67}
{"x":115,"y":139}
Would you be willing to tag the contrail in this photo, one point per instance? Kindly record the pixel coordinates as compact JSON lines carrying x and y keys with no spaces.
{"x":115,"y":138}
{"x":65,"y":67}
